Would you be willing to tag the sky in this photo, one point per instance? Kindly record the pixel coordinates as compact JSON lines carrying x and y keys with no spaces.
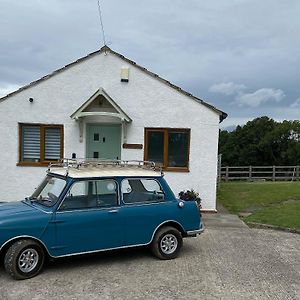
{"x":242,"y":56}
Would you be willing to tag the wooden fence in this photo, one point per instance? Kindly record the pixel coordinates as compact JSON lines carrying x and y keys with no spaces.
{"x":253,"y":173}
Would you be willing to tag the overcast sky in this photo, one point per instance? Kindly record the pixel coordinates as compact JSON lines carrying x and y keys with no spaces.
{"x":243,"y":56}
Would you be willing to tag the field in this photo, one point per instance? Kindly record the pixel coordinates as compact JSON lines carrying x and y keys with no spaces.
{"x":274,"y":203}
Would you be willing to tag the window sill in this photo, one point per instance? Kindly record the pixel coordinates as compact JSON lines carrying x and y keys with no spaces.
{"x":174,"y":169}
{"x":33,"y":164}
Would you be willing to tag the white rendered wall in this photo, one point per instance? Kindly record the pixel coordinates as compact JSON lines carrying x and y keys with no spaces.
{"x":149,"y":103}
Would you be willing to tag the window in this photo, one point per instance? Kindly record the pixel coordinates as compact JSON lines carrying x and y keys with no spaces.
{"x":49,"y":191}
{"x":40,"y":144}
{"x":168,"y":147}
{"x":141,"y":191}
{"x":91,"y":194}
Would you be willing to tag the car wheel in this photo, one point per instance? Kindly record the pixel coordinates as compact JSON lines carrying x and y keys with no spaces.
{"x":167,"y":243}
{"x":24,"y":259}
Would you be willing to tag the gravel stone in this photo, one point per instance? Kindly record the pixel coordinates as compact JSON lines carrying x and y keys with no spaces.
{"x":228,"y":261}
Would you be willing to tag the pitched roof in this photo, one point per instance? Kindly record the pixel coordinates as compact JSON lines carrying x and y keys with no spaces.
{"x":105,"y":48}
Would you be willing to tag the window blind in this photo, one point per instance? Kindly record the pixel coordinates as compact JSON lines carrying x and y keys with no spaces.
{"x":31,"y":143}
{"x":52,"y":143}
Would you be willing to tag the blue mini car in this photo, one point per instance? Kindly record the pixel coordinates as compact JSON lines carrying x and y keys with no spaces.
{"x":91,"y":206}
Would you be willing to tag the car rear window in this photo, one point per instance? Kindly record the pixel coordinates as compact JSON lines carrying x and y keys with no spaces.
{"x":141,"y":191}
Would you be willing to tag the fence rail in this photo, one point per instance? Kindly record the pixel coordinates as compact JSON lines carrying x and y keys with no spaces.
{"x":252,"y":173}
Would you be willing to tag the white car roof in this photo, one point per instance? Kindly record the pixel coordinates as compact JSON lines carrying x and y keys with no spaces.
{"x":104,"y":172}
{"x":78,"y":168}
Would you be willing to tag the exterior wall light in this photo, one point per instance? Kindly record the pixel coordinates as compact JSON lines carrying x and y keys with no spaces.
{"x":124,"y":74}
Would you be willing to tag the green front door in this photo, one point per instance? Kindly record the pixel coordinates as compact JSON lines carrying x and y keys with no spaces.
{"x":104,"y":141}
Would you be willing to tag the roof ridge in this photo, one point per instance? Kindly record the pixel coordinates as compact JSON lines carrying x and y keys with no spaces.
{"x":105,"y":48}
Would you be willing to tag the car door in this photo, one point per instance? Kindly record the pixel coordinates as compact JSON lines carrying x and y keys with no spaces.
{"x":144,"y":207}
{"x":89,"y":219}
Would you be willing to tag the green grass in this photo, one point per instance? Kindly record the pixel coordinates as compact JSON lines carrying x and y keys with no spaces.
{"x":274,"y":203}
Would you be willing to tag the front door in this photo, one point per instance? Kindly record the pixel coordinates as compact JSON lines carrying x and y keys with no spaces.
{"x":104,"y":141}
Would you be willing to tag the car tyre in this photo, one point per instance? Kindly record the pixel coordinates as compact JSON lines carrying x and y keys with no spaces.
{"x":167,"y":243}
{"x":24,"y":259}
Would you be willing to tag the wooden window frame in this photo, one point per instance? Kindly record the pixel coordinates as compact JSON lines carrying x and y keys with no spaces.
{"x":42,"y":161}
{"x":166,"y":132}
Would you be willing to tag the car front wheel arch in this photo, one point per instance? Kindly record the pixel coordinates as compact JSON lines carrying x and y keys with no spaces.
{"x":24,"y":258}
{"x":9,"y":243}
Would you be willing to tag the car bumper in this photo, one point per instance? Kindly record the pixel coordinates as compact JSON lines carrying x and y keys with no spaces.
{"x":193,"y":233}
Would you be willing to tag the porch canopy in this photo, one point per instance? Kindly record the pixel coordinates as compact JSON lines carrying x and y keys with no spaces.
{"x":100,"y":104}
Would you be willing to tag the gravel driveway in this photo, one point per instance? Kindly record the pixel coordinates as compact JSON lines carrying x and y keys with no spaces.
{"x":228,"y":261}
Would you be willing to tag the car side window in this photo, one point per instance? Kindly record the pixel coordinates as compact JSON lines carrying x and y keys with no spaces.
{"x":91,"y":194}
{"x":141,"y":191}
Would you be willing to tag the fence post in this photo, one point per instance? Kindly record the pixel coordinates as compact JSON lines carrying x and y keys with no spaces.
{"x":219,"y":168}
{"x":297,"y":173}
{"x":250,"y":173}
{"x":274,"y":174}
{"x":227,"y":174}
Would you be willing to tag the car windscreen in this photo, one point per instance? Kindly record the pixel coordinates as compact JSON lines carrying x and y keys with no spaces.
{"x":48,"y":191}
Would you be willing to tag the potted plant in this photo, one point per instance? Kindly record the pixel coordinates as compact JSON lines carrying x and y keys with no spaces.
{"x":190,"y":195}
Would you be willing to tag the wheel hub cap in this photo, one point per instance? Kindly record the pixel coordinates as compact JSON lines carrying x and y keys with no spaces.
{"x":168,"y":244}
{"x":28,"y":260}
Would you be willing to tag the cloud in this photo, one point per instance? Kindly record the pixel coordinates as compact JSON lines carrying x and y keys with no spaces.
{"x":259,"y":97}
{"x":252,"y":100}
{"x":229,"y":123}
{"x":296,"y":104}
{"x":227,"y":88}
{"x":235,"y":45}
{"x":4,"y":90}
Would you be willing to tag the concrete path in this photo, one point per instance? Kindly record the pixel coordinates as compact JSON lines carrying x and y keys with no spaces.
{"x":218,"y":220}
{"x":251,"y":263}
{"x":228,"y":261}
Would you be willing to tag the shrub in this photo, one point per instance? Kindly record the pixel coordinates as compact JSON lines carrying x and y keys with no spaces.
{"x":190,"y":195}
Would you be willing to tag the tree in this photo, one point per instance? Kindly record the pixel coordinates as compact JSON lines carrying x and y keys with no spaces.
{"x":261,"y":141}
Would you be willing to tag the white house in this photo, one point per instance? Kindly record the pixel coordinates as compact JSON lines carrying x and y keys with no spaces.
{"x":107,"y":106}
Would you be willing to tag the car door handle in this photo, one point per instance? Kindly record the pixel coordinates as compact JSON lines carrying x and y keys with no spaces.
{"x":113,"y":211}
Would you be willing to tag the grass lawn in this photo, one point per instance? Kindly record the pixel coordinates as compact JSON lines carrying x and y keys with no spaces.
{"x":275,"y":203}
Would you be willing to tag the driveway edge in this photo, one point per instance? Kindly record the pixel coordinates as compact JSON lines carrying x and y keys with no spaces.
{"x":267,"y":226}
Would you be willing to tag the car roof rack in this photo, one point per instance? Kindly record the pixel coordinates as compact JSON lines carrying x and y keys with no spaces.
{"x":85,"y":163}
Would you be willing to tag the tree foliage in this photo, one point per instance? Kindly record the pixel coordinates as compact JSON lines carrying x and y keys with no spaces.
{"x":261,"y":142}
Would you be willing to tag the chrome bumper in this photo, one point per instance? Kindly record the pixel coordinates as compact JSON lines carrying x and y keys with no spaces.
{"x":193,"y":233}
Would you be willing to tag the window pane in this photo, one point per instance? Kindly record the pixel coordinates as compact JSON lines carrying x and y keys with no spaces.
{"x":52,"y":143}
{"x":151,"y":185}
{"x":106,"y":187}
{"x":107,"y":193}
{"x":80,"y":196}
{"x":178,"y":149}
{"x":49,"y":191}
{"x":91,"y":194}
{"x":140,"y":191}
{"x":156,"y":146}
{"x":31,"y":143}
